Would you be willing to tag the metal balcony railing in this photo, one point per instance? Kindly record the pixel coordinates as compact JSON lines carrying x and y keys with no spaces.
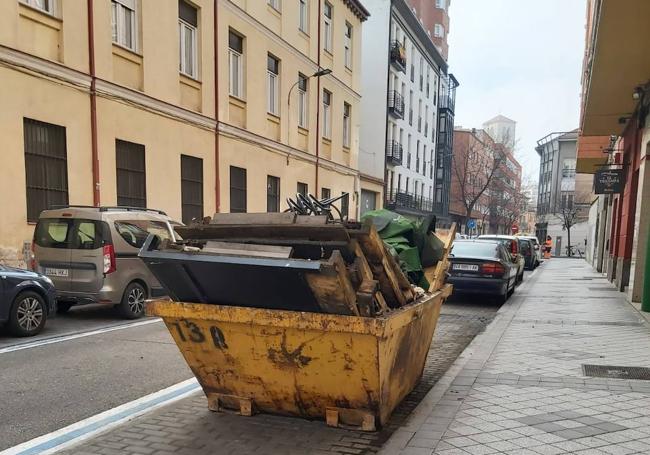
{"x":394,"y":153}
{"x":398,"y":56}
{"x":396,"y":104}
{"x":411,"y":202}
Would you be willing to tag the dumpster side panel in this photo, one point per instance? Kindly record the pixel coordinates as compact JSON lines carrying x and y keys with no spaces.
{"x":404,"y":350}
{"x":282,"y":370}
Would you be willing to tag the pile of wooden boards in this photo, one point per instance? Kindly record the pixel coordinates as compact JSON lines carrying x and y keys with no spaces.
{"x":346,"y":266}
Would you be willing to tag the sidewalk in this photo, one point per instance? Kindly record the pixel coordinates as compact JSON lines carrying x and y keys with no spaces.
{"x":520,"y":388}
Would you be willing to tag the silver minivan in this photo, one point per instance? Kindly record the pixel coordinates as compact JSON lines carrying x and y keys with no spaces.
{"x":91,"y":255}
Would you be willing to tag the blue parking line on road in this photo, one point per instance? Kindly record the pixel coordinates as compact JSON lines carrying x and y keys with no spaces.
{"x":92,"y":427}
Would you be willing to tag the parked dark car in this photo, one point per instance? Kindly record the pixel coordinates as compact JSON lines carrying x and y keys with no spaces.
{"x":27,"y":299}
{"x":527,"y":250}
{"x":482,"y":267}
{"x":513,"y":246}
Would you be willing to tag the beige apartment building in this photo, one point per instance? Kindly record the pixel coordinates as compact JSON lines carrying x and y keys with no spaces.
{"x":108,"y":102}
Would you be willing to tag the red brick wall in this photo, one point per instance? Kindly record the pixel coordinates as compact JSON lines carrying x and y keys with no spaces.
{"x":430,"y":15}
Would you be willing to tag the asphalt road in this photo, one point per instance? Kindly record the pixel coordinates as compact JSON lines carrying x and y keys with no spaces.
{"x":44,"y":388}
{"x":47,"y":387}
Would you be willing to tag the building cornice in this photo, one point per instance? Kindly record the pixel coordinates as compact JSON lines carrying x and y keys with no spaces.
{"x":228,"y":130}
{"x":57,"y":73}
{"x":358,"y":9}
{"x":12,"y":57}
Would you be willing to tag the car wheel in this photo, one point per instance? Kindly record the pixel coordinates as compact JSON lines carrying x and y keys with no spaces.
{"x":63,"y":307}
{"x":132,"y":305}
{"x":28,"y":314}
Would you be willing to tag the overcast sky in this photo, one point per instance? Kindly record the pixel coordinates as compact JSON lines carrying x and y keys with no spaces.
{"x":521,"y":59}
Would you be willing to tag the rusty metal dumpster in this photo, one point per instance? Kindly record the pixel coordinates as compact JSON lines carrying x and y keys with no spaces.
{"x":349,"y":370}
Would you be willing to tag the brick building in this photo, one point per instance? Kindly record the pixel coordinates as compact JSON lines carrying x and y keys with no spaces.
{"x":434,"y":16}
{"x":473,"y":160}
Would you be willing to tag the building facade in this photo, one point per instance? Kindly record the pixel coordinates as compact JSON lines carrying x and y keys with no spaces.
{"x":472,"y":166}
{"x":503,"y":130}
{"x":505,"y":200}
{"x":156,"y":104}
{"x":563,"y":196}
{"x":615,"y":134}
{"x":400,"y":134}
{"x":434,"y":16}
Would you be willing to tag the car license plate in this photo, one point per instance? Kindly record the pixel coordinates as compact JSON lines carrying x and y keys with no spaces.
{"x":56,"y":272}
{"x":467,"y":267}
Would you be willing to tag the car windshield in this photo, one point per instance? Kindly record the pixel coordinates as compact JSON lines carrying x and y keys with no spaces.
{"x":474,"y":249}
{"x":135,"y":232}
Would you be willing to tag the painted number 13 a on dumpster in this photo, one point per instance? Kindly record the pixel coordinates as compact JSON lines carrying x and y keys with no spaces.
{"x":189,"y":331}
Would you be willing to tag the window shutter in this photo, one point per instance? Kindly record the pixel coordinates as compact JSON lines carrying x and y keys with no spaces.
{"x":187,"y":13}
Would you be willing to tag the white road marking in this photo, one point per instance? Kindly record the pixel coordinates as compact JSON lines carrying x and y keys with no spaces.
{"x":74,"y":336}
{"x":99,"y":423}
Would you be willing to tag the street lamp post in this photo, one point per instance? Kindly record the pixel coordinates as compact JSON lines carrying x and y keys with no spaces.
{"x":317,"y":74}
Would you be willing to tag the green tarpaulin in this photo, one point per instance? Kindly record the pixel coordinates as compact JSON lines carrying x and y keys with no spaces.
{"x":411,"y":242}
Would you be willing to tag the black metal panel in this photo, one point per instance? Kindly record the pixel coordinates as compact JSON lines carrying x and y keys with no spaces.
{"x":232,"y":280}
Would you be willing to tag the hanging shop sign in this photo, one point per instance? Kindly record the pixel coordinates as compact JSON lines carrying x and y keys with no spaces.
{"x":609,"y":181}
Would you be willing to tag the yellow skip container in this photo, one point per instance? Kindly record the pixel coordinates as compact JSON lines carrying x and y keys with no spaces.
{"x":348,"y":370}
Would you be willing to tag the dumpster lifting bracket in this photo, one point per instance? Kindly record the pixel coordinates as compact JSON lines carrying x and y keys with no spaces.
{"x":219,"y":402}
{"x":355,"y":419}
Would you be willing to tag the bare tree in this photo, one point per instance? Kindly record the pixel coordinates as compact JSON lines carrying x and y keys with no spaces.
{"x":474,"y":168}
{"x":570,"y":213}
{"x":513,"y":206}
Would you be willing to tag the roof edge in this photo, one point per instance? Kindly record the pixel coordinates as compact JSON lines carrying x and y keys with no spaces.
{"x":358,"y":9}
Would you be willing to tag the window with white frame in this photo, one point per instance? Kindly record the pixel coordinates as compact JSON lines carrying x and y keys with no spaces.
{"x":236,"y":64}
{"x":303,"y":102}
{"x":348,"y":46}
{"x":327,"y":29}
{"x":442,"y":4}
{"x":303,"y":16}
{"x":327,"y":114}
{"x":273,"y":84}
{"x":275,"y":4}
{"x":187,"y":26}
{"x":438,"y":31}
{"x":346,"y":124}
{"x":123,"y":23}
{"x":47,"y":6}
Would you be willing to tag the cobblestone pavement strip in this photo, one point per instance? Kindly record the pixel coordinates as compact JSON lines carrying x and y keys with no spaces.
{"x":524,"y":391}
{"x":189,"y":428}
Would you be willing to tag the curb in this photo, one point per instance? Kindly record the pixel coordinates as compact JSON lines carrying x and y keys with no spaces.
{"x":473,"y":358}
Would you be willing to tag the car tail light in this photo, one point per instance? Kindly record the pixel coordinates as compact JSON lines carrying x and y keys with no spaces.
{"x":109,"y":259}
{"x":492,"y":268}
{"x":32,"y":258}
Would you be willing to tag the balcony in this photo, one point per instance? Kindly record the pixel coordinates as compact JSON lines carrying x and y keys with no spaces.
{"x":395,"y":104}
{"x":394,"y":153}
{"x":398,"y":56}
{"x":410,"y":203}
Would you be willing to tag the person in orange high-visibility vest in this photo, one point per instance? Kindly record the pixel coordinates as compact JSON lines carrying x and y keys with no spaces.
{"x":548,"y":245}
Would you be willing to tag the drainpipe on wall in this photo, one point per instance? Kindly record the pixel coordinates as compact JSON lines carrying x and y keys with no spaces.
{"x":318,"y":140}
{"x":93,"y":103}
{"x":645,"y":302}
{"x":217,"y":191}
